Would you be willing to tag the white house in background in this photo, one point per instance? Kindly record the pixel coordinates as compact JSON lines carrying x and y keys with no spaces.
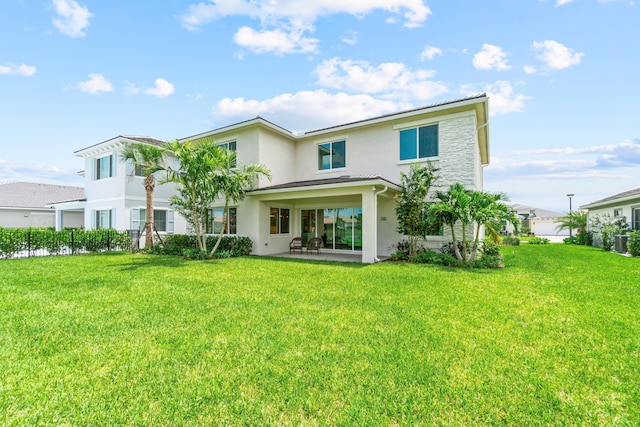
{"x":540,"y":222}
{"x":28,"y":204}
{"x":625,"y":204}
{"x":114,"y":193}
{"x":336,"y":183}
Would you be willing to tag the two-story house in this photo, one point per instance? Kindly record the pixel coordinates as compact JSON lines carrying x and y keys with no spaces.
{"x":336,"y":183}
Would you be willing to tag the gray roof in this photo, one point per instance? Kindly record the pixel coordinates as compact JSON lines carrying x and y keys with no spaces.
{"x":35,"y":195}
{"x":623,"y":195}
{"x":339,"y":180}
{"x":537,"y":212}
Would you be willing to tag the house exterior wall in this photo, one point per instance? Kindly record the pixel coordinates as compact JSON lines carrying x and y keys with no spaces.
{"x":25,"y":218}
{"x":628,"y":209}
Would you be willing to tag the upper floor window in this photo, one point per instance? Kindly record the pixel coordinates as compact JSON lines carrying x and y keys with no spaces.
{"x":138,"y":170}
{"x":332,"y":155}
{"x":104,"y":167}
{"x":419,"y":143}
{"x":231,"y":146}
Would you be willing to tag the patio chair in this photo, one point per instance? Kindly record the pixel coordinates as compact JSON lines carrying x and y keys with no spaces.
{"x":295,"y":245}
{"x":314,"y":244}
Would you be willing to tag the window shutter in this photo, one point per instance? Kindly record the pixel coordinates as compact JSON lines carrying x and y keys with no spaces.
{"x":112,"y":165}
{"x":170,"y":221}
{"x":135,"y":218}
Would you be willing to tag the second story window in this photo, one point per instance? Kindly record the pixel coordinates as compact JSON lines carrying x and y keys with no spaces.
{"x":104,"y":167}
{"x":231,"y":146}
{"x":332,"y":155}
{"x":419,"y":143}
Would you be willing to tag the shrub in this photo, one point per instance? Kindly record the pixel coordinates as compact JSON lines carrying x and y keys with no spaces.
{"x":399,"y":256}
{"x":427,"y":257}
{"x":511,"y":241}
{"x":538,"y":240}
{"x":633,"y":244}
{"x":230,"y":246}
{"x":447,"y":248}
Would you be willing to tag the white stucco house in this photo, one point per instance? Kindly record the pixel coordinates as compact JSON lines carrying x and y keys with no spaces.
{"x":28,"y":204}
{"x":336,"y":183}
{"x":539,"y":222}
{"x":625,"y":204}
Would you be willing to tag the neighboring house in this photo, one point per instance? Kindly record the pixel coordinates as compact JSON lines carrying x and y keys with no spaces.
{"x":539,"y":222}
{"x":625,"y":204}
{"x":28,"y":204}
{"x":114,"y":193}
{"x":336,"y":183}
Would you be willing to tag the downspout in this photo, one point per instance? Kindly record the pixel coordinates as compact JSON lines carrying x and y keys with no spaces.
{"x":375,"y":218}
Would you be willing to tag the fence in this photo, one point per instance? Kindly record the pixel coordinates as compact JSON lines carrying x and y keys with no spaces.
{"x":18,"y":242}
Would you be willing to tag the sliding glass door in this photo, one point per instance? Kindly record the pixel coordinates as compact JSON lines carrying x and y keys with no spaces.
{"x":339,"y":228}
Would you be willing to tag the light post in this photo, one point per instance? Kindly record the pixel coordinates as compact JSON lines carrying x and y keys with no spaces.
{"x":570,"y":196}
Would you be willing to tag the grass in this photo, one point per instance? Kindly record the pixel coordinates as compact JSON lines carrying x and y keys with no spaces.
{"x":117,"y":339}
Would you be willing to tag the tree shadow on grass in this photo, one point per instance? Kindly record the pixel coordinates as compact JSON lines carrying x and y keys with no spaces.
{"x":140,"y":261}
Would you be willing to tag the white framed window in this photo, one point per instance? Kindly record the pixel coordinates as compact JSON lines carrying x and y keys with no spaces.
{"x":279,"y":219}
{"x":617,"y":213}
{"x":103,"y":218}
{"x":332,"y":155}
{"x":162,"y":219}
{"x":231,"y":146}
{"x":104,"y":167}
{"x":216,"y":219}
{"x":419,"y":142}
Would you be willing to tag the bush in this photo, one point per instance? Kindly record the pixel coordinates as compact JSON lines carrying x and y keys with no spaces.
{"x":427,"y":257}
{"x":230,"y":246}
{"x":447,"y":248}
{"x":399,"y":256}
{"x":633,"y":244}
{"x":511,"y":241}
{"x":538,"y":241}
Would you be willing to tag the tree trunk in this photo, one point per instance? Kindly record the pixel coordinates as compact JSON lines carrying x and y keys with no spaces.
{"x":149,"y":184}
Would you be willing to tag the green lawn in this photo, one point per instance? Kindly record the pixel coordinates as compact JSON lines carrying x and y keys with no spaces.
{"x":117,"y":339}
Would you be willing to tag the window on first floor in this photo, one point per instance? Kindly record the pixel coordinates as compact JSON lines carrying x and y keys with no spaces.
{"x":419,"y":143}
{"x":636,"y":218}
{"x":104,"y":218}
{"x":162,"y":219}
{"x":279,"y":221}
{"x":332,"y":155}
{"x":617,"y":213}
{"x":104,"y":167}
{"x":216,"y":219}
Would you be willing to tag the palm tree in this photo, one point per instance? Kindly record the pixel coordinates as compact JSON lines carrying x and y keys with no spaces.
{"x":575,"y":220}
{"x":470,"y":208}
{"x":149,"y":159}
{"x":233,"y":182}
{"x":452,"y":207}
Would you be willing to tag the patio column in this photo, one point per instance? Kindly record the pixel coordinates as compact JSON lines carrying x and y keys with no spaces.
{"x":369,"y":235}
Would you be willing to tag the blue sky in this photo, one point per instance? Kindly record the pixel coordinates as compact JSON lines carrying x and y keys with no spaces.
{"x":562,"y":76}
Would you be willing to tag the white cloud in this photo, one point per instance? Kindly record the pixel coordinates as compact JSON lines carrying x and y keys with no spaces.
{"x":393,"y":80}
{"x":429,"y":52}
{"x":276,"y":41}
{"x":351,"y":37}
{"x":10,"y":171}
{"x":72,"y":19}
{"x":96,"y":83}
{"x":415,"y":12}
{"x":502,"y":99}
{"x":307,"y":110}
{"x":530,"y":69}
{"x":17,"y":70}
{"x":162,"y":89}
{"x":556,"y":55}
{"x":563,"y":2}
{"x":491,"y":58}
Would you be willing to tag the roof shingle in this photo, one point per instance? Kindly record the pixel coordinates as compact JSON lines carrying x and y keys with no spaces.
{"x":36,"y":195}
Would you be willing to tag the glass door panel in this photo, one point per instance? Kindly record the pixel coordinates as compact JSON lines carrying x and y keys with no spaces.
{"x":308,"y":226}
{"x":357,"y":229}
{"x":344,"y":228}
{"x":328,"y":229}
